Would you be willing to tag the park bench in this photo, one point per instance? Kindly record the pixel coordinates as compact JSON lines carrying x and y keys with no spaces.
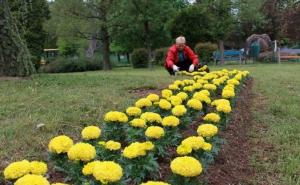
{"x":229,"y":55}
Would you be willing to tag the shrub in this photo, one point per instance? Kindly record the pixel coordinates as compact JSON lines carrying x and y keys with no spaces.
{"x":64,"y":64}
{"x":160,"y":55}
{"x":205,"y":51}
{"x":139,"y":58}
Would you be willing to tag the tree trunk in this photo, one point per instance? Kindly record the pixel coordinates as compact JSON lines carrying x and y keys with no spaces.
{"x":15,"y":58}
{"x":221,"y":47}
{"x":105,"y":49}
{"x":148,"y":42}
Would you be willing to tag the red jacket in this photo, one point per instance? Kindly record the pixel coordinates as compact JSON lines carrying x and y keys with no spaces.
{"x":172,"y":56}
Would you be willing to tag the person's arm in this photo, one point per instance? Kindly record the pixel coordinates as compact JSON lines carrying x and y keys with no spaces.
{"x":193,"y":57}
{"x":170,"y":59}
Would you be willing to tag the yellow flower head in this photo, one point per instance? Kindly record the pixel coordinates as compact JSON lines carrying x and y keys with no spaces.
{"x":155,"y":132}
{"x":138,"y":123}
{"x":212,"y":117}
{"x":38,"y":168}
{"x":173,"y":87}
{"x":170,"y":121}
{"x":82,"y":151}
{"x":194,"y":142}
{"x":151,"y":117}
{"x":233,"y":82}
{"x":205,"y":92}
{"x":133,"y":111}
{"x":189,"y":88}
{"x":32,"y":180}
{"x":188,"y":82}
{"x":179,"y":110}
{"x":60,"y":144}
{"x":143,"y":102}
{"x":16,"y":170}
{"x":59,"y":184}
{"x":202,"y":97}
{"x":182,"y":95}
{"x":186,"y":166}
{"x":179,"y":83}
{"x":184,"y":149}
{"x":107,"y":172}
{"x":175,"y":100}
{"x":197,"y":86}
{"x":115,"y":116}
{"x":155,"y":183}
{"x":207,"y":146}
{"x":112,"y":145}
{"x":88,"y":169}
{"x":137,"y":149}
{"x":194,"y":104}
{"x":164,"y":104}
{"x":166,"y":93}
{"x":207,"y":130}
{"x":90,"y":132}
{"x":153,"y":97}
{"x":228,"y":94}
{"x":224,"y":108}
{"x":210,"y":87}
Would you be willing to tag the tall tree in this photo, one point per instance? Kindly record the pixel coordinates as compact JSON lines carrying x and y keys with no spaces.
{"x":32,"y":17}
{"x":88,"y":19}
{"x":14,"y":54}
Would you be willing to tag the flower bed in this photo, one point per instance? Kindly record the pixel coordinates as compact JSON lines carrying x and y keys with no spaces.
{"x":134,"y":146}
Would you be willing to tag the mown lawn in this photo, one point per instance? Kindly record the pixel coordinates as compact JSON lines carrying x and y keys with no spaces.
{"x":65,"y":103}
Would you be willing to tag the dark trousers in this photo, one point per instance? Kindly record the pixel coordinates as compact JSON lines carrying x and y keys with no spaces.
{"x":183,"y":66}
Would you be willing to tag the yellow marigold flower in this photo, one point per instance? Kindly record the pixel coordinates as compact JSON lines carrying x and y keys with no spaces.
{"x":112,"y":145}
{"x":207,"y":130}
{"x":202,"y":97}
{"x":153,"y":97}
{"x":233,"y":81}
{"x":115,"y":116}
{"x":60,"y":144}
{"x":210,"y":87}
{"x":224,"y":108}
{"x":165,"y":104}
{"x":188,"y":82}
{"x":205,"y":92}
{"x":207,"y":146}
{"x":155,"y":183}
{"x":202,"y":81}
{"x":82,"y":151}
{"x":179,"y":83}
{"x":170,"y":121}
{"x":32,"y":180}
{"x":16,"y":170}
{"x":133,"y":111}
{"x":228,"y":94}
{"x":90,"y":132}
{"x":173,"y":87}
{"x":212,"y":117}
{"x":143,"y":102}
{"x":138,"y":123}
{"x":197,"y":85}
{"x":179,"y":110}
{"x":184,"y":149}
{"x":194,"y":142}
{"x":186,"y":166}
{"x":101,"y":143}
{"x":88,"y":169}
{"x":182,"y":95}
{"x":175,"y":100}
{"x":59,"y":184}
{"x":189,"y":88}
{"x":220,"y":102}
{"x":38,"y":168}
{"x":155,"y":132}
{"x":137,"y":149}
{"x":166,"y":93}
{"x":195,"y":104}
{"x":151,"y":117}
{"x":107,"y":172}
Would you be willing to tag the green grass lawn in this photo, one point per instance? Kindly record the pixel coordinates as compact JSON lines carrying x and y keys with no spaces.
{"x":65,"y":103}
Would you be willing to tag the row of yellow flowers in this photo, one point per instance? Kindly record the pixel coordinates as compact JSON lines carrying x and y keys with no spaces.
{"x":146,"y":129}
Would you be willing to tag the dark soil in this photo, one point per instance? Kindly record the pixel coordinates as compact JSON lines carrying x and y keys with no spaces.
{"x":232,"y":165}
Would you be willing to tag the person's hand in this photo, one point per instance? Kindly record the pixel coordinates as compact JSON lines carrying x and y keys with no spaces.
{"x":192,"y":68}
{"x":175,"y":68}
